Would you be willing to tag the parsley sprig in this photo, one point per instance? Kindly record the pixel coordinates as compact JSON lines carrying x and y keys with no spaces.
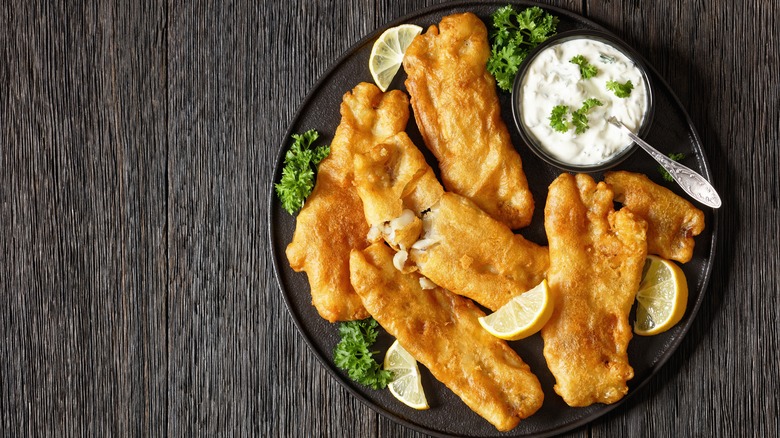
{"x":353,"y":353}
{"x":298,"y":172}
{"x":621,"y":90}
{"x":587,"y":70}
{"x":579,"y":118}
{"x":558,"y":120}
{"x":513,"y":36}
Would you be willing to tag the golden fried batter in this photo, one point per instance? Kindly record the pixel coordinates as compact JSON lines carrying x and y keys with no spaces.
{"x":596,"y":261}
{"x":331,"y":222}
{"x":461,"y":248}
{"x":476,"y":256}
{"x":671,"y":220}
{"x":441,"y":331}
{"x":394,"y":176}
{"x":457,"y":110}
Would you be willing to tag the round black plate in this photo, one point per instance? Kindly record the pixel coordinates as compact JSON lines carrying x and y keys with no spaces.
{"x":672,"y":131}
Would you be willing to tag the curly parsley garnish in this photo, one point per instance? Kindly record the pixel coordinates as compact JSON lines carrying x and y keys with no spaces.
{"x":664,"y":174}
{"x":558,"y":118}
{"x":298,"y":173}
{"x":620,"y":90}
{"x":352,"y":353}
{"x":580,"y":117}
{"x":513,"y":36}
{"x":587,"y":70}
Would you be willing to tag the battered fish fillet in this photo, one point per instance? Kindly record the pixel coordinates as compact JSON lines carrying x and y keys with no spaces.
{"x":457,"y":110}
{"x":441,"y":331}
{"x":331,"y":222}
{"x":459,"y":247}
{"x":394,"y":176}
{"x":671,"y":220}
{"x":596,"y":261}
{"x":476,"y":256}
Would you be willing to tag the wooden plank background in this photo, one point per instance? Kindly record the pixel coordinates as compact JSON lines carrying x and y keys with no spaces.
{"x":137,"y":296}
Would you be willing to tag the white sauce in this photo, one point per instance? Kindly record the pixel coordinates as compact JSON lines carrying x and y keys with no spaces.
{"x":552,"y":80}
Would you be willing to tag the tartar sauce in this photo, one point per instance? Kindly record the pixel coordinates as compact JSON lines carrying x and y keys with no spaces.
{"x":552,"y":80}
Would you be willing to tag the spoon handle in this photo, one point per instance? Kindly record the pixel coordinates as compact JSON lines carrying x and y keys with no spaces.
{"x":694,"y":184}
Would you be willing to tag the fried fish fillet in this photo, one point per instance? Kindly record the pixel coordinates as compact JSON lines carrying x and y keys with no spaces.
{"x":457,"y":110}
{"x":473,"y":255}
{"x":441,"y":331}
{"x":460,"y":247}
{"x":596,"y":261}
{"x":331,"y":222}
{"x":671,"y":220}
{"x":394,"y":176}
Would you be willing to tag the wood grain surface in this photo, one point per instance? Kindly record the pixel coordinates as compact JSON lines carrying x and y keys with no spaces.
{"x":136,"y":153}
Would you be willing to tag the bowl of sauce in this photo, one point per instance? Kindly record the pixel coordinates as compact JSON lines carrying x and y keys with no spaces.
{"x":568,"y":87}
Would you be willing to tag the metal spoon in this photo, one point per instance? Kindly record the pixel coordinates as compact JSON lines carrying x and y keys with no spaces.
{"x":693,"y":183}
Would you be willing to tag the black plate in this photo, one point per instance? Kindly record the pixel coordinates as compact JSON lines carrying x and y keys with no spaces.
{"x":672,"y":132}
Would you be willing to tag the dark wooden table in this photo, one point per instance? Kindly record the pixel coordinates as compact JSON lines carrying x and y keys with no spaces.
{"x":136,"y":152}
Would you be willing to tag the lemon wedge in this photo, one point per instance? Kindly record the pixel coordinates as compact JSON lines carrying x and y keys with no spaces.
{"x":406,"y":385}
{"x":522,"y":316}
{"x":388,"y":53}
{"x":662,"y":297}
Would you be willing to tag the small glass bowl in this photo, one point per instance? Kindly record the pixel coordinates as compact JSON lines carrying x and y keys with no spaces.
{"x":531,"y":140}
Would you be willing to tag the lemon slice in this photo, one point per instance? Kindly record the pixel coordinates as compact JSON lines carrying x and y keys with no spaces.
{"x":662,"y":297}
{"x":522,"y":316}
{"x":406,"y":385}
{"x":388,"y":53}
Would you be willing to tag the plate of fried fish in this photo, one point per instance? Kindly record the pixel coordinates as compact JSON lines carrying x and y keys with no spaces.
{"x":430,"y":212}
